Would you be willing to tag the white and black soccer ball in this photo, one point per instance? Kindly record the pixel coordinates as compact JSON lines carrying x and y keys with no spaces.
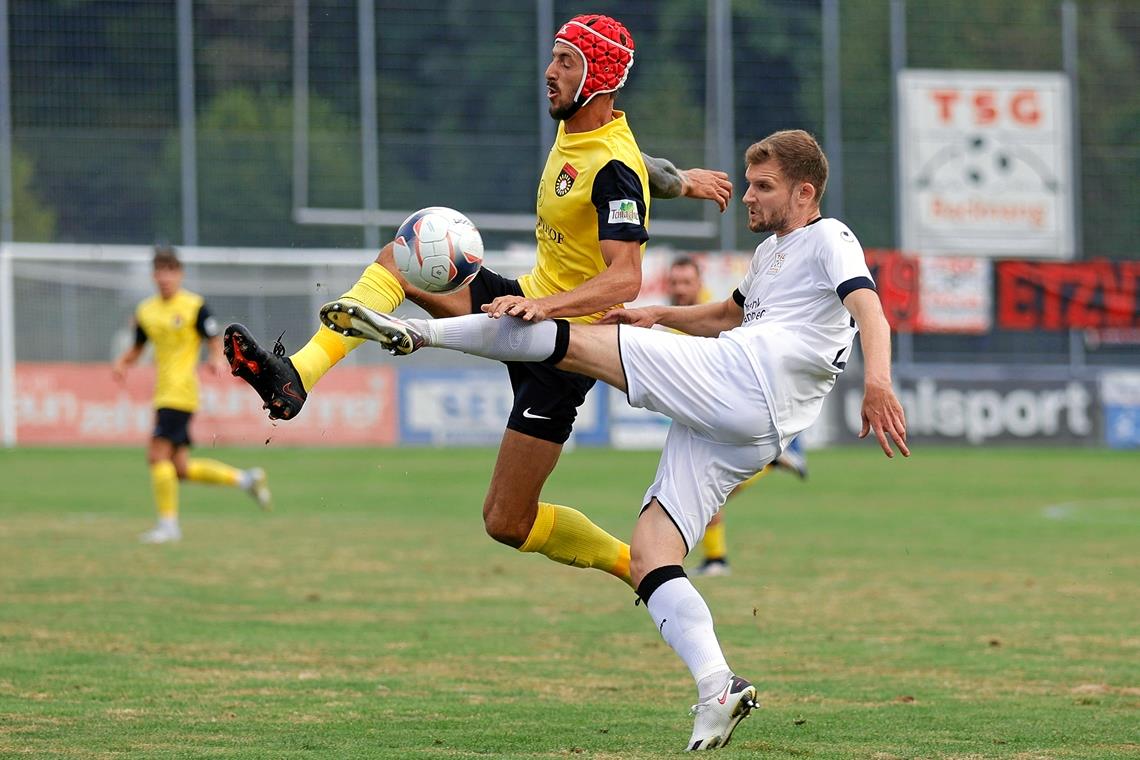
{"x":438,"y":249}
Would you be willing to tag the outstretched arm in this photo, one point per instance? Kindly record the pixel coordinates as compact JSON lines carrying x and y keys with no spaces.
{"x":707,"y":319}
{"x":882,"y":411}
{"x":667,"y":181}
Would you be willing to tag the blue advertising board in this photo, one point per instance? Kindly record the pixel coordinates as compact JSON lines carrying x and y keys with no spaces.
{"x":469,"y":407}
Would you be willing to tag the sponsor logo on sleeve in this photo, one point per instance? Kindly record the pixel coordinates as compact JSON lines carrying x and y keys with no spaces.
{"x":624,"y":212}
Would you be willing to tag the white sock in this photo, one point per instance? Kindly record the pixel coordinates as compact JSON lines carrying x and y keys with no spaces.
{"x":505,"y":339}
{"x":168,"y":523}
{"x":684,"y":620}
{"x":245,"y":481}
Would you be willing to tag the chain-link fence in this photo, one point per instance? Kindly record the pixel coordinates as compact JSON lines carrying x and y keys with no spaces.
{"x":99,"y":103}
{"x":219,"y":122}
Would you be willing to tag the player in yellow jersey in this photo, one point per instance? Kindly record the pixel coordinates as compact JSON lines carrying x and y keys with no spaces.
{"x":592,"y":208}
{"x":685,"y":287}
{"x":175,"y":321}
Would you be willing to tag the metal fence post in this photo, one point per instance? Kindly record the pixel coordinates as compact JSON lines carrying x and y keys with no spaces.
{"x":832,"y":108}
{"x":187,"y":131}
{"x":898,"y":63}
{"x":543,"y":33}
{"x":1071,"y":61}
{"x":720,"y":129}
{"x":370,"y":159}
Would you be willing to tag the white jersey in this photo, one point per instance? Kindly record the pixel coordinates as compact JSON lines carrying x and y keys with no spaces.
{"x":796,"y":331}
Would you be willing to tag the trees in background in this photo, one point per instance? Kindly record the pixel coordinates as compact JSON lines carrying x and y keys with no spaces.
{"x":95,"y":105}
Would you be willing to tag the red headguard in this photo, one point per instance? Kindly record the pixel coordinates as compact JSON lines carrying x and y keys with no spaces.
{"x":606,"y":48}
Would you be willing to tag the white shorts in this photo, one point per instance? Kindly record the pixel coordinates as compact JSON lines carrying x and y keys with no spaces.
{"x":722,"y":431}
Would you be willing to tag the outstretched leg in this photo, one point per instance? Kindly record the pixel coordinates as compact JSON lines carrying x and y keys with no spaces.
{"x":253,"y":481}
{"x":685,"y":622}
{"x":590,"y":350}
{"x":285,"y":382}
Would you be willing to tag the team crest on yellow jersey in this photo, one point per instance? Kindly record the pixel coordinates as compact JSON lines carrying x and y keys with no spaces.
{"x":565,"y":180}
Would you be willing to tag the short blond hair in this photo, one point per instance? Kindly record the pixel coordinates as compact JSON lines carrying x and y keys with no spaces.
{"x":798,"y":154}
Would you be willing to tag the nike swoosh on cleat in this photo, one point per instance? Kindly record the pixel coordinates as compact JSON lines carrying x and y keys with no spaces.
{"x":287,"y":389}
{"x":724,"y":694}
{"x":527,"y":413}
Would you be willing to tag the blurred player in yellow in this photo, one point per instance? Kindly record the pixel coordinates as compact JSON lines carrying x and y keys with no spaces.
{"x":175,"y":321}
{"x":686,"y":288}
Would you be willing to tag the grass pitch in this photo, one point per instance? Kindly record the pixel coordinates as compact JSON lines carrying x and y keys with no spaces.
{"x":962,"y":604}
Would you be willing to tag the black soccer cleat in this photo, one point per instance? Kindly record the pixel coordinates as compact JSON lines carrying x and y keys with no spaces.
{"x":272,"y":375}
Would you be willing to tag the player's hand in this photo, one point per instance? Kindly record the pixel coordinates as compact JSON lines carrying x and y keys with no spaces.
{"x":635,"y":317}
{"x":528,"y":309}
{"x":883,"y":413}
{"x":708,"y":185}
{"x":218,"y":367}
{"x":119,"y":372}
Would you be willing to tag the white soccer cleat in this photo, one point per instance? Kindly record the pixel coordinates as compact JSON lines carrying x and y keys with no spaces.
{"x":712,"y":568}
{"x":349,"y":318}
{"x":716,"y":717}
{"x":163,"y":533}
{"x":259,"y":488}
{"x":793,"y":460}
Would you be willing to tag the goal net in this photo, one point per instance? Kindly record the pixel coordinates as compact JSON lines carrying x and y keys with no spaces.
{"x":66,"y":309}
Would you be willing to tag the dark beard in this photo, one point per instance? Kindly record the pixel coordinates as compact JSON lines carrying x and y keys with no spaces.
{"x":770,"y":226}
{"x":562,"y":113}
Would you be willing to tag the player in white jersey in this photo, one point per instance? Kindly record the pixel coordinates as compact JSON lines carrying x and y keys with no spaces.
{"x":751,"y":372}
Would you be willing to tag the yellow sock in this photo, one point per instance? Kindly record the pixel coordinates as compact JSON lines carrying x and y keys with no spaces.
{"x":379,"y":290}
{"x":753,"y":480}
{"x":566,"y":535}
{"x":713,"y":544}
{"x":164,"y":482}
{"x":212,"y":471}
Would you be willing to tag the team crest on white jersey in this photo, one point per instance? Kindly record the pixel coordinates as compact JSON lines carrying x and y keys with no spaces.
{"x":777,"y":263}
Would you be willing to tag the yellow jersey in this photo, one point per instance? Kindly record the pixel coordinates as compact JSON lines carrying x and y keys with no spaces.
{"x":175,"y":327}
{"x":594,"y":187}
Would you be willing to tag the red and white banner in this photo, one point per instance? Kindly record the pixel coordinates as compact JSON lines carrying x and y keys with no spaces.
{"x":1062,"y":296}
{"x":955,"y":294}
{"x":896,"y":279}
{"x":81,"y":404}
{"x":984,"y":163}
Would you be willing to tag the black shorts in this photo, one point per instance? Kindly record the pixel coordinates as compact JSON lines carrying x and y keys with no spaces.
{"x":173,"y":425}
{"x":546,"y":399}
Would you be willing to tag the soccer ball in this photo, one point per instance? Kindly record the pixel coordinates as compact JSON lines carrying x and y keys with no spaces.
{"x":438,"y":249}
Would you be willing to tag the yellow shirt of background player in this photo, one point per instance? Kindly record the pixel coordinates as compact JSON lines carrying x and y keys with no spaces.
{"x":175,"y":328}
{"x":568,"y":222}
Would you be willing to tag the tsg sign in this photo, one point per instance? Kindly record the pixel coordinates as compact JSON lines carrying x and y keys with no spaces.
{"x":985,"y":163}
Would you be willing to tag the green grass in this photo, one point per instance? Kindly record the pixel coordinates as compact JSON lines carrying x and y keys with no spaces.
{"x":962,"y":604}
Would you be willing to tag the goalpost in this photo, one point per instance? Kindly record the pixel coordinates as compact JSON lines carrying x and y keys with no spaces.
{"x":72,"y":303}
